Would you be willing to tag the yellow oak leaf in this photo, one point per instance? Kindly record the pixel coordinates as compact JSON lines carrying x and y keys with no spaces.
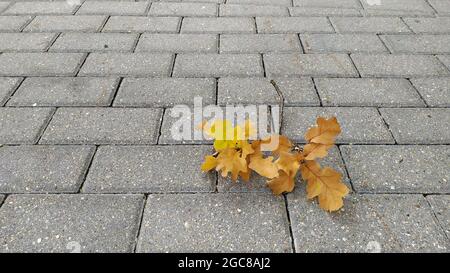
{"x":282,"y":183}
{"x":209,"y":163}
{"x":288,"y":162}
{"x":246,"y":148}
{"x":326,"y":184}
{"x":264,"y":166}
{"x":325,"y":132}
{"x":277,"y":144}
{"x":230,"y":161}
{"x":315,"y":150}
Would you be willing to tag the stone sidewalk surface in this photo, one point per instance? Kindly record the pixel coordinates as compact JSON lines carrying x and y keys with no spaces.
{"x":86,"y":156}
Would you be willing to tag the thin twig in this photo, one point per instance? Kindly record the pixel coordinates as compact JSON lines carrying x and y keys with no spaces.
{"x":280,"y":101}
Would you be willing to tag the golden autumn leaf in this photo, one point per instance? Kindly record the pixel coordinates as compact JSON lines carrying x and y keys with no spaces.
{"x":325,"y":132}
{"x":315,"y":150}
{"x":289,"y":162}
{"x":277,"y":144}
{"x":209,"y":163}
{"x":230,"y":161}
{"x":282,"y":183}
{"x":264,"y":166}
{"x":326,"y":184}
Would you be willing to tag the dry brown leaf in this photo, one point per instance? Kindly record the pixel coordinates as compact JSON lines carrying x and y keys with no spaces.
{"x":282,"y":183}
{"x":315,"y":150}
{"x":326,"y":184}
{"x":264,"y":166}
{"x":277,"y":144}
{"x":230,"y":161}
{"x":325,"y":132}
{"x":289,"y":162}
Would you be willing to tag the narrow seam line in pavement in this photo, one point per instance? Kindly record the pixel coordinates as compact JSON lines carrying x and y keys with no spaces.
{"x":89,"y":163}
{"x":140,"y":221}
{"x":291,"y":234}
{"x":436,"y":219}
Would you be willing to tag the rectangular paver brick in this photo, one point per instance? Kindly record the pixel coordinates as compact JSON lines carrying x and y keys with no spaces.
{"x":92,"y":42}
{"x":177,"y":43}
{"x":22,"y":125}
{"x":445,"y":59}
{"x":251,"y":10}
{"x":384,"y":223}
{"x":293,"y":25}
{"x":296,"y":91}
{"x":65,"y":91}
{"x":435,"y":91}
{"x":217,"y":65}
{"x":286,"y":3}
{"x":125,"y":64}
{"x":41,"y":168}
{"x":40,"y":64}
{"x":441,"y":6}
{"x":305,"y":11}
{"x":56,"y":223}
{"x":419,"y":126}
{"x":346,"y":43}
{"x":358,"y":125}
{"x":13,"y":23}
{"x":142,"y":24}
{"x":41,"y":8}
{"x":369,"y":24}
{"x":420,"y":44}
{"x":440,"y":205}
{"x":398,"y":168}
{"x":66,"y":23}
{"x":164,"y":92}
{"x":367,"y":92}
{"x":429,"y":25}
{"x":113,"y":8}
{"x":398,"y":7}
{"x":259,"y":43}
{"x":149,"y":169}
{"x":183,"y":9}
{"x":218,"y":25}
{"x":399,"y":65}
{"x":172,"y":223}
{"x":338,"y":65}
{"x":328,"y":3}
{"x":7,"y":87}
{"x":25,"y":42}
{"x":103,"y":126}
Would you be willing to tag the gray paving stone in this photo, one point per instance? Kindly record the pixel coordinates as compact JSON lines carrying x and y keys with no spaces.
{"x":258,"y":183}
{"x":22,"y":125}
{"x":7,"y":87}
{"x":126,"y":64}
{"x":441,"y":205}
{"x":429,"y":25}
{"x":328,"y":3}
{"x":421,"y":44}
{"x":367,"y":92}
{"x":358,"y":125}
{"x":401,"y":65}
{"x":380,"y":223}
{"x":13,"y":23}
{"x":261,"y":2}
{"x":65,"y":91}
{"x":435,"y":91}
{"x":103,"y":126}
{"x":398,"y":7}
{"x":183,"y":9}
{"x":369,"y":24}
{"x":218,"y":25}
{"x":3,"y":6}
{"x":217,"y":65}
{"x":177,"y":43}
{"x":293,"y":25}
{"x":419,"y":126}
{"x":41,"y":8}
{"x":172,"y":223}
{"x":40,"y":64}
{"x":304,"y":11}
{"x":296,"y":91}
{"x":2,"y":198}
{"x":61,"y":223}
{"x":259,"y":43}
{"x":40,"y":168}
{"x":398,"y":168}
{"x":113,"y":8}
{"x":202,"y":1}
{"x":165,"y":92}
{"x":338,"y":65}
{"x":92,"y":42}
{"x":25,"y":42}
{"x":445,"y":59}
{"x":347,"y":43}
{"x":149,"y":169}
{"x":251,"y":10}
{"x":441,"y":6}
{"x":66,"y":24}
{"x":142,"y":24}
